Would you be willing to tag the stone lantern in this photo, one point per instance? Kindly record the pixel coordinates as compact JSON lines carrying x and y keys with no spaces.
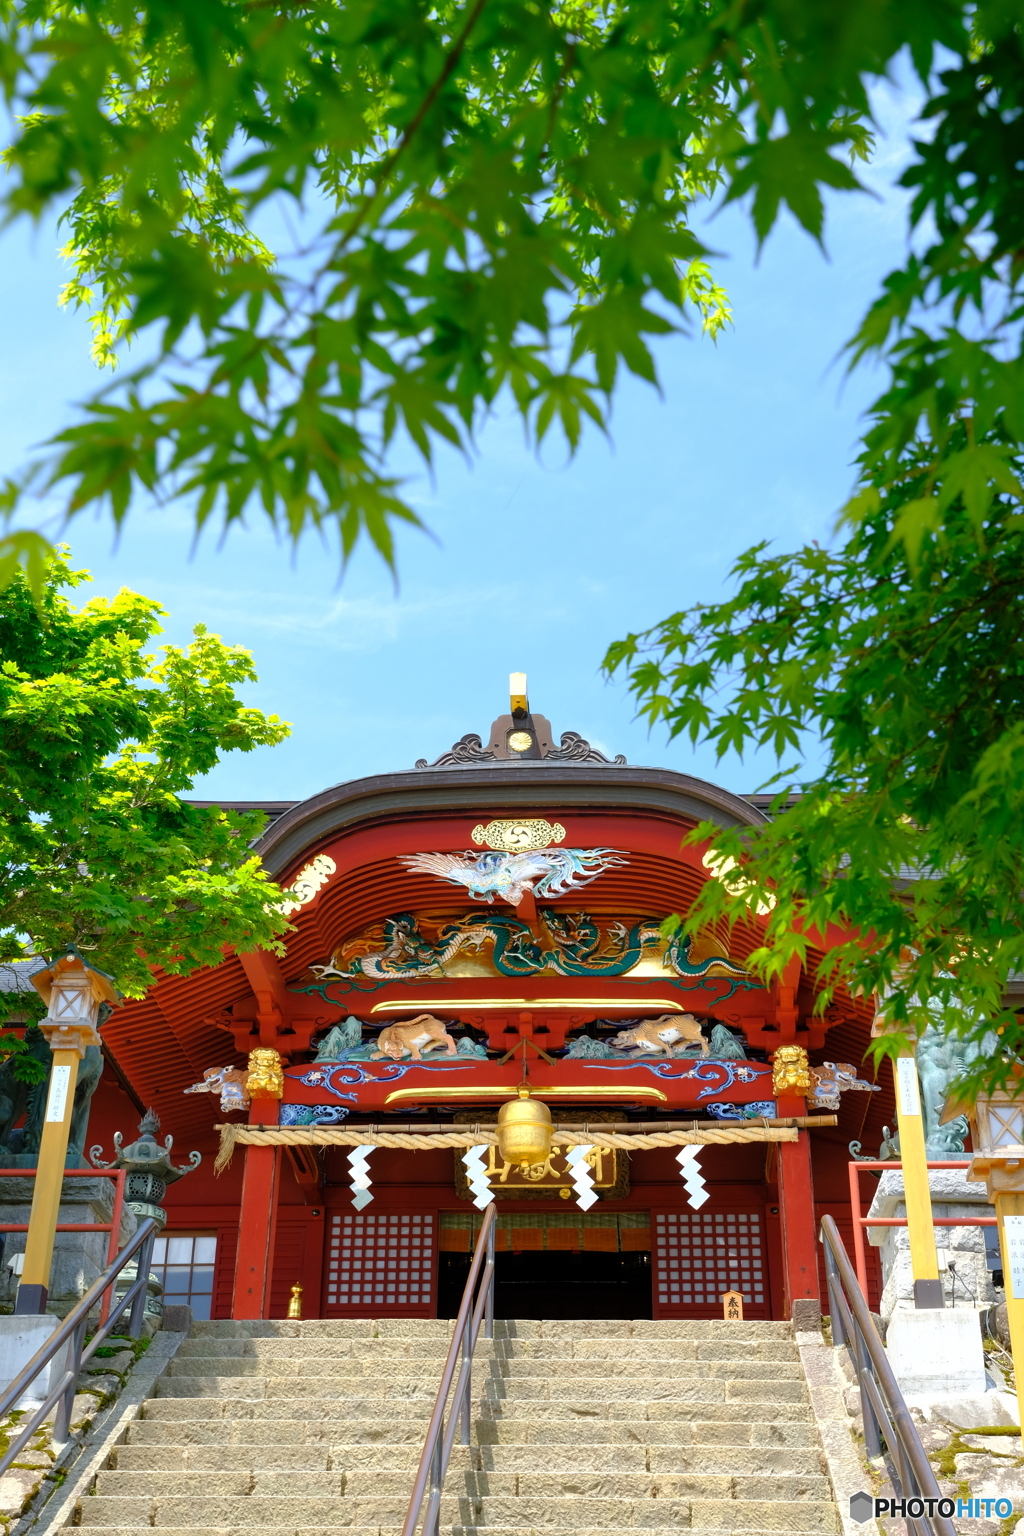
{"x":150,"y":1170}
{"x":148,"y":1166}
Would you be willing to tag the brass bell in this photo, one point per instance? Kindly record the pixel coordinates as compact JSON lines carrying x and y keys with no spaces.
{"x":295,"y":1305}
{"x":524,"y":1130}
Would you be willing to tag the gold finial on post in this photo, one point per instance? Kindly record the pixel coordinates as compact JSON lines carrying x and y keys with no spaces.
{"x":295,"y":1305}
{"x":518,"y":702}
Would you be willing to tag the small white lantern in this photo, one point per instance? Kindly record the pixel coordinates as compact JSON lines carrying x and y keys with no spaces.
{"x":73,"y":991}
{"x":997,"y":1125}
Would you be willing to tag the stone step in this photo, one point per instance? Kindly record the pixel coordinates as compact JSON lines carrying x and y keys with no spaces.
{"x":728,"y":1515}
{"x":355,"y":1484}
{"x":603,"y":1428}
{"x":366,"y":1360}
{"x":453,"y":1530}
{"x":326,"y":1328}
{"x":764,"y":1430}
{"x":387,"y":1457}
{"x":192,"y":1408}
{"x":490,"y":1417}
{"x":240,"y":1390}
{"x":398,"y":1370}
{"x":658,"y":1461}
{"x":706,"y":1330}
{"x":668,"y":1348}
{"x":276,"y":1431}
{"x":615,"y":1391}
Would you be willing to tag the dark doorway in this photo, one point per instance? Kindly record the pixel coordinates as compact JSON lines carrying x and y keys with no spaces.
{"x":541,"y":1283}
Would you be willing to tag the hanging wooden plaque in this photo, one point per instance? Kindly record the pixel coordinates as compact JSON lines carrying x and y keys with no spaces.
{"x":732,"y":1307}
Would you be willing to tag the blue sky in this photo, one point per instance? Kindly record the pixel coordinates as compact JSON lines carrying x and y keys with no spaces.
{"x":537,"y":563}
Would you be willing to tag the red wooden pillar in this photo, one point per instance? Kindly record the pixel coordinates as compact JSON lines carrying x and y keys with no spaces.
{"x":257,"y":1226}
{"x":796,"y":1211}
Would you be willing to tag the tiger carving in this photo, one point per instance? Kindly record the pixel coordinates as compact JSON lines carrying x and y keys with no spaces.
{"x":662,"y":1034}
{"x":424,"y":1033}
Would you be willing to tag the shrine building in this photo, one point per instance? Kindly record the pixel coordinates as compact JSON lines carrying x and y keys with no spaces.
{"x":459,"y":930}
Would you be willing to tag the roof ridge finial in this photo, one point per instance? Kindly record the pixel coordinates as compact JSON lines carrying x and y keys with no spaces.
{"x":520,"y":736}
{"x":521,"y":742}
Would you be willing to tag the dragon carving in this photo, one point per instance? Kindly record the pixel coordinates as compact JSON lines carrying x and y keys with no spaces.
{"x":577,"y":948}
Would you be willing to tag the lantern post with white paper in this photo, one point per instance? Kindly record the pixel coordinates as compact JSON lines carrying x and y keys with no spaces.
{"x":73,"y":991}
{"x":997,"y":1132}
{"x":917,"y":1193}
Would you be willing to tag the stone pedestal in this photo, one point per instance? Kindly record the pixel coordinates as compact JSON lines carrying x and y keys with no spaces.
{"x":966,"y":1279}
{"x":936,"y":1354}
{"x":20,"y":1338}
{"x":79,"y":1258}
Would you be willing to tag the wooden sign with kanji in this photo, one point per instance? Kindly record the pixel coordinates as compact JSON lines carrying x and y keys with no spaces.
{"x":732,"y":1306}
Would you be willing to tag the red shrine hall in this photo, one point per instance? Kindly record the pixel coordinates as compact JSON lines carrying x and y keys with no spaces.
{"x":459,"y":930}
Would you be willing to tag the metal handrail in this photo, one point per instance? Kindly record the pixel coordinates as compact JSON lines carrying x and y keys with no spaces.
{"x":73,"y":1329}
{"x":437,"y":1447}
{"x":885,"y":1413}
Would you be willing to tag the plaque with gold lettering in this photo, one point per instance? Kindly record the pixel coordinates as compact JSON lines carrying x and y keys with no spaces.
{"x":550,"y":1180}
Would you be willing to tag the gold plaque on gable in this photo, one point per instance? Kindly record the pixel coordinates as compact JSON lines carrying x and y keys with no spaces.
{"x":518,"y":836}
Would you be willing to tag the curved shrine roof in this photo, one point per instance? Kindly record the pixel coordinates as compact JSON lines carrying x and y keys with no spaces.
{"x":367,"y":827}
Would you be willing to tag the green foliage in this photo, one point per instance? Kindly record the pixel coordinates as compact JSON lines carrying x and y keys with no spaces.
{"x":899,"y":649}
{"x":99,"y":738}
{"x":905,"y":658}
{"x":21,"y":1004}
{"x":486,"y":196}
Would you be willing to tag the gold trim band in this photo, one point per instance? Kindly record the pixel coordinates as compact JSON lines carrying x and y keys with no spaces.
{"x":537,"y":1092}
{"x":528,"y":1004}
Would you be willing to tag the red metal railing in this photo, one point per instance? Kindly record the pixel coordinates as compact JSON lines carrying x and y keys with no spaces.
{"x":860,"y":1222}
{"x":113,"y":1226}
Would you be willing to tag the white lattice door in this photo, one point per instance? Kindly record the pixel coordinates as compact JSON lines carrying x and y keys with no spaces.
{"x":381,"y":1264}
{"x":698,"y":1256}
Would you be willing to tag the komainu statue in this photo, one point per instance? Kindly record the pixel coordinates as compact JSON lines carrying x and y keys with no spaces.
{"x":90,"y":1071}
{"x":791,"y":1072}
{"x":263,"y":1079}
{"x":941,"y":1059}
{"x":266,"y":1078}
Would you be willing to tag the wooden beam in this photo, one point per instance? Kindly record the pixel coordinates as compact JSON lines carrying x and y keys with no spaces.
{"x":280,"y":1025}
{"x":784,"y":992}
{"x":799,"y":1235}
{"x":257,"y":1221}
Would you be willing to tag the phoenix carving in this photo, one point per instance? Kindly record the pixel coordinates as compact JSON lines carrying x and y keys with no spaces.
{"x":546,"y":872}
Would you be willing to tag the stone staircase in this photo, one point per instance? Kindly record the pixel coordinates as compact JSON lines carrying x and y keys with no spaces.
{"x":315,"y":1429}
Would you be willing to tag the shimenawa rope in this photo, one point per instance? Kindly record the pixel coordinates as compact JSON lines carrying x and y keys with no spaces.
{"x":336,"y":1136}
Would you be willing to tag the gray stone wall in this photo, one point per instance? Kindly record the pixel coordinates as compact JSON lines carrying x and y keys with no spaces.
{"x":966,"y":1279}
{"x":79,"y":1258}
